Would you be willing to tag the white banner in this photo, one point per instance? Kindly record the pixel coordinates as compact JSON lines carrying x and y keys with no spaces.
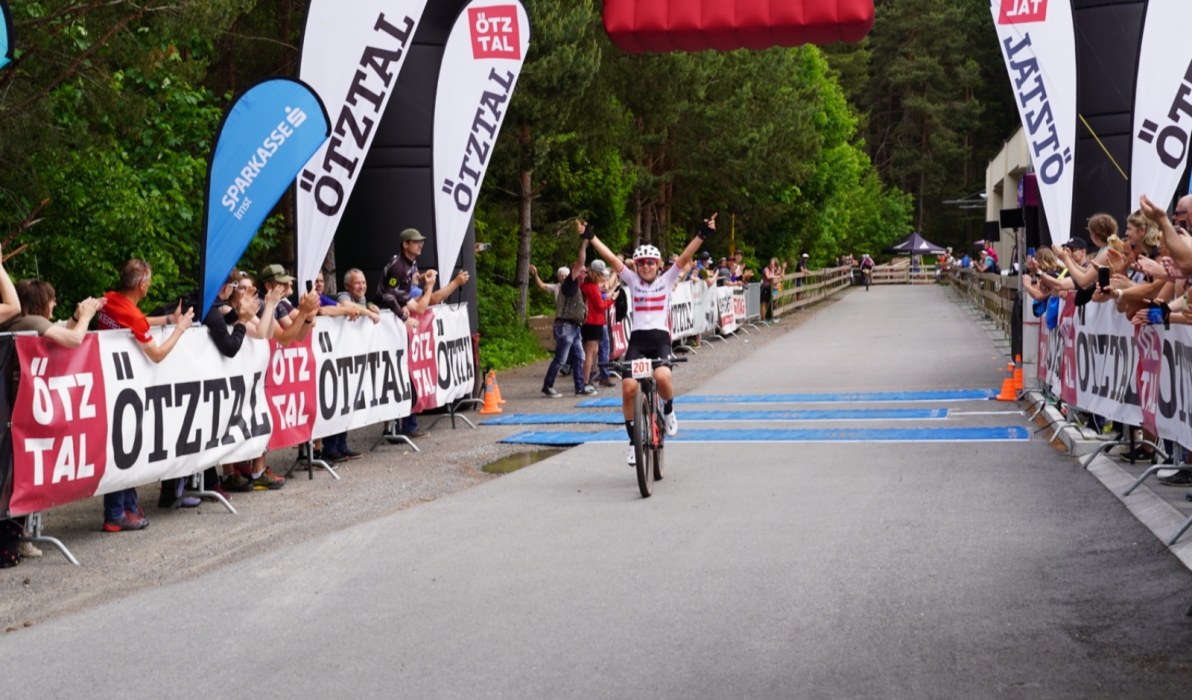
{"x":726,"y":320}
{"x":352,"y":54}
{"x":455,"y":363}
{"x":195,"y":409}
{"x":362,"y":372}
{"x":1039,"y":45}
{"x":481,"y":63}
{"x":1163,"y":104}
{"x":1107,"y":364}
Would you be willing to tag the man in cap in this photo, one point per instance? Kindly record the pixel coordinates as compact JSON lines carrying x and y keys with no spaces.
{"x":570,"y":312}
{"x":290,"y":325}
{"x":397,"y":279}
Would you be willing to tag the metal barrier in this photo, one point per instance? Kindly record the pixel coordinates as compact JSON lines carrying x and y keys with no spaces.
{"x":753,"y":304}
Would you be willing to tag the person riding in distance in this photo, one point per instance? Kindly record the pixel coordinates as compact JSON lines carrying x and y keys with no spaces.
{"x":650,"y":294}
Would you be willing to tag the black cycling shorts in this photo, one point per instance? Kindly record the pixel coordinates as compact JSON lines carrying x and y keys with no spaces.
{"x":652,"y":344}
{"x":591,"y":332}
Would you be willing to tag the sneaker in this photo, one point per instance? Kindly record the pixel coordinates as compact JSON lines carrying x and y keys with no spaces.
{"x":267,"y":481}
{"x":631,"y":456}
{"x":588,"y":390}
{"x":607,"y":382}
{"x":28,"y":551}
{"x":190,"y":502}
{"x":1140,"y":454}
{"x":550,"y":393}
{"x":672,"y":424}
{"x":1180,"y":478}
{"x":128,"y":521}
{"x":416,"y":434}
{"x":216,"y":489}
{"x":352,"y":454}
{"x":333,"y":457}
{"x":237,"y":484}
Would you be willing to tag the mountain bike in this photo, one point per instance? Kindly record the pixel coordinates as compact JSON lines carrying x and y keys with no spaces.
{"x":867,"y":275}
{"x":649,"y":433}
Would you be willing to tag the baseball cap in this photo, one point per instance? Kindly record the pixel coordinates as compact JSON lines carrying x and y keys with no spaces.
{"x":806,"y":255}
{"x":411,"y":235}
{"x":599,"y":267}
{"x":705,"y":255}
{"x":564,"y":271}
{"x":273,"y":273}
{"x":1076,"y":244}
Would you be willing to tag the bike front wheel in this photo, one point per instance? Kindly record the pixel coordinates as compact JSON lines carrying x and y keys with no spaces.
{"x":643,"y":428}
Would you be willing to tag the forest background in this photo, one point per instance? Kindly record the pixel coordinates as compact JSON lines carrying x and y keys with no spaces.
{"x":108,"y":113}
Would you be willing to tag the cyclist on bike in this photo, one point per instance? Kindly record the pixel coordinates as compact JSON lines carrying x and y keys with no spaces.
{"x":650,"y":296}
{"x":867,"y":266}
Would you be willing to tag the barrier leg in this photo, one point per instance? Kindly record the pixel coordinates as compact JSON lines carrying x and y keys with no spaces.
{"x":1178,"y":465}
{"x":452,"y":413}
{"x":195,"y":488}
{"x":307,"y":459}
{"x":33,"y":526}
{"x":393,"y":437}
{"x":1180,"y":532}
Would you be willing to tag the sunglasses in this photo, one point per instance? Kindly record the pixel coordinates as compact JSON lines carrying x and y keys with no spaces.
{"x":648,"y":262}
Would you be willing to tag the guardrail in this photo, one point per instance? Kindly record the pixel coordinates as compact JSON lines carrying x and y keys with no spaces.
{"x":903,"y":274}
{"x":992,"y":294}
{"x":816,"y":285}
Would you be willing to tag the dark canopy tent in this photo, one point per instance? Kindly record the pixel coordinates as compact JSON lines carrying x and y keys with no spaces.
{"x":915,"y":245}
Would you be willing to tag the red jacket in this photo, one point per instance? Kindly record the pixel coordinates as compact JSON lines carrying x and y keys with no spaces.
{"x":597,"y":306}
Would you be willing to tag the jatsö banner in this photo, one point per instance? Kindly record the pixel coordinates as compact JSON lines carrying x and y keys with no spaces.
{"x":481,"y":63}
{"x":266,"y":137}
{"x":1038,"y":41}
{"x":6,"y":35}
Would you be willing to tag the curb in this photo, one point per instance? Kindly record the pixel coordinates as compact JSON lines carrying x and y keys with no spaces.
{"x":1148,"y":507}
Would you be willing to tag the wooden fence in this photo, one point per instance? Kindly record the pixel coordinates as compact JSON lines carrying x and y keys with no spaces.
{"x":992,"y":294}
{"x":816,"y":286}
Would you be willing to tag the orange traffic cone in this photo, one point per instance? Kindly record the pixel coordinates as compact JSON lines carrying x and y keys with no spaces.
{"x":1018,"y":379}
{"x":492,"y":375}
{"x":491,"y":405}
{"x":1008,"y":393}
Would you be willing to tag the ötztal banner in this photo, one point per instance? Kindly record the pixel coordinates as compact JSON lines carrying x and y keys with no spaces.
{"x":1163,"y":106}
{"x":352,"y":55}
{"x":1039,"y":45}
{"x":6,"y":35}
{"x":481,"y":64}
{"x":102,"y":417}
{"x":442,"y":364}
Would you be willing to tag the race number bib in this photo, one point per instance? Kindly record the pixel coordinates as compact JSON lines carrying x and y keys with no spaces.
{"x":643,"y":368}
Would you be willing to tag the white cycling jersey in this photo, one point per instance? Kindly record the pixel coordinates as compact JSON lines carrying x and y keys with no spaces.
{"x":651,"y":301}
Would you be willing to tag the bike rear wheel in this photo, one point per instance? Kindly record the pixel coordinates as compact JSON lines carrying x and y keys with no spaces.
{"x":643,"y":427}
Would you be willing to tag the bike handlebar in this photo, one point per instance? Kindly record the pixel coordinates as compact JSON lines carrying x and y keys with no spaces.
{"x":654,"y":363}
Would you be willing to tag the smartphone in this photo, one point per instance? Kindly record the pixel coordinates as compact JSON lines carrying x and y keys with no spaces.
{"x":481,"y":247}
{"x":310,"y":286}
{"x":1103,"y":277}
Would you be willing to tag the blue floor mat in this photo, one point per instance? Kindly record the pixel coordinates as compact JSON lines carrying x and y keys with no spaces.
{"x":1014,"y":433}
{"x":727,"y":416}
{"x":864,"y":397}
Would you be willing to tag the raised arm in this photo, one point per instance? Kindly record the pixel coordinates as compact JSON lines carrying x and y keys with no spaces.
{"x":689,"y":252}
{"x":1177,"y":248}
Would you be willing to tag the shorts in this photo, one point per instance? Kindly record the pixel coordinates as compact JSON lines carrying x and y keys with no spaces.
{"x":652,"y":344}
{"x":591,"y":332}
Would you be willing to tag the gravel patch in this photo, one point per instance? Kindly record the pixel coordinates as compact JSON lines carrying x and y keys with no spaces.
{"x":181,"y":544}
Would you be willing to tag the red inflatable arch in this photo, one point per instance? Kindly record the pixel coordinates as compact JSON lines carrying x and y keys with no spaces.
{"x":725,"y":25}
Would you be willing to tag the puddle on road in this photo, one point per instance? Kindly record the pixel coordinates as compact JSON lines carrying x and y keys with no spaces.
{"x":510,"y":464}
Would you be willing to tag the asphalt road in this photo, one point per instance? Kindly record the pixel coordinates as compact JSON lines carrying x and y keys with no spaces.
{"x":909,"y":570}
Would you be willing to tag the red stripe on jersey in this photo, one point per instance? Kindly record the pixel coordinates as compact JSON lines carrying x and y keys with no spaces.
{"x":649,"y":308}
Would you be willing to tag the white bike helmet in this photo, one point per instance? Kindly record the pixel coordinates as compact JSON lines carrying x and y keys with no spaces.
{"x":647,"y":251}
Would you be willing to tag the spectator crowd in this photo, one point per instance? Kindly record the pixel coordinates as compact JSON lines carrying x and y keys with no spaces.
{"x":262,"y":306}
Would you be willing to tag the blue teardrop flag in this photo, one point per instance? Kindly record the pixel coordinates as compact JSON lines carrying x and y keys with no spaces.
{"x":267,"y":135}
{"x":6,"y":36}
